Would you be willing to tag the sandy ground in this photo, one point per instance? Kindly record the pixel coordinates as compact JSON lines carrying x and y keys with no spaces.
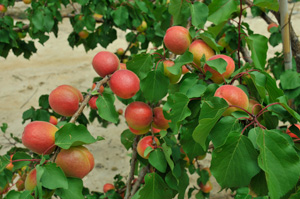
{"x":56,"y":63}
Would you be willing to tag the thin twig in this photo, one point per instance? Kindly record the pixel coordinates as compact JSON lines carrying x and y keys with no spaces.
{"x":140,"y":179}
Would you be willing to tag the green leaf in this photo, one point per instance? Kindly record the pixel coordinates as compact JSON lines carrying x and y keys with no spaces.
{"x":208,"y":38}
{"x":269,"y":4}
{"x":196,"y":91}
{"x":48,"y":20}
{"x":199,"y":13}
{"x":180,"y":11}
{"x":287,"y":76}
{"x":155,"y":188}
{"x":168,"y":152}
{"x":157,"y":159}
{"x":4,"y":161}
{"x":74,"y":190}
{"x":284,"y":103}
{"x":211,"y":112}
{"x":127,"y":138}
{"x":280,"y":162}
{"x":218,"y":65}
{"x":140,"y":64}
{"x":53,"y":177}
{"x":73,"y":135}
{"x":222,"y":129}
{"x":44,"y":101}
{"x":258,"y":45}
{"x":176,"y":109}
{"x":155,"y":86}
{"x":186,"y":58}
{"x":234,"y":163}
{"x":21,"y":156}
{"x":38,"y":20}
{"x":259,"y":184}
{"x":106,"y":107}
{"x":221,"y":10}
{"x":120,"y":15}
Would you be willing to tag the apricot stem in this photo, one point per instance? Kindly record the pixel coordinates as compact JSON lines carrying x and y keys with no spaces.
{"x":253,"y":122}
{"x":132,"y":166}
{"x":263,"y":110}
{"x":122,"y":57}
{"x":242,"y":109}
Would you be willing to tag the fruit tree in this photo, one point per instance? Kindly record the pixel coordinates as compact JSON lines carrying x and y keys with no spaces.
{"x":195,"y":80}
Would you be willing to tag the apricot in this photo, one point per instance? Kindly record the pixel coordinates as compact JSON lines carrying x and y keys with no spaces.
{"x":271,"y":25}
{"x":107,"y":187}
{"x":83,"y":34}
{"x":120,"y":51}
{"x":124,"y":83}
{"x":65,"y":100}
{"x":155,"y":130}
{"x":138,"y":132}
{"x":10,"y":166}
{"x":222,"y":42}
{"x":256,"y":105}
{"x":144,"y":143}
{"x":53,"y":120}
{"x":138,"y":115}
{"x":76,"y":161}
{"x":20,"y":184}
{"x":293,"y":135}
{"x":142,"y":27}
{"x":199,"y":48}
{"x":39,"y":137}
{"x":27,"y":1}
{"x":206,"y":188}
{"x":120,"y":111}
{"x":92,"y":102}
{"x":123,"y":66}
{"x":159,"y":120}
{"x":233,"y":96}
{"x":173,"y":78}
{"x":30,"y":182}
{"x":105,"y":63}
{"x":97,"y":17}
{"x":177,"y":39}
{"x":184,"y":69}
{"x":216,"y":76}
{"x":101,"y":89}
{"x":2,"y":8}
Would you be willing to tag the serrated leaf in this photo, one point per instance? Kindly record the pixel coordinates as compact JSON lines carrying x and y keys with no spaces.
{"x":280,"y":162}
{"x":140,"y":64}
{"x":73,"y":135}
{"x":74,"y":190}
{"x":269,"y":4}
{"x":157,"y":160}
{"x":53,"y":177}
{"x":199,"y":12}
{"x":258,"y":45}
{"x":106,"y":107}
{"x":155,"y":188}
{"x":155,"y":86}
{"x":211,"y":112}
{"x":176,"y":109}
{"x":221,"y":10}
{"x":234,"y":163}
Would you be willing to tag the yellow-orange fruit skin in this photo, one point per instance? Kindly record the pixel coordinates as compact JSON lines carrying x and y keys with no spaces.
{"x":53,"y":120}
{"x":30,"y":182}
{"x":39,"y":136}
{"x":138,"y":132}
{"x":105,"y":63}
{"x":76,"y":161}
{"x":108,"y":187}
{"x":177,"y":39}
{"x":138,"y":115}
{"x":159,"y":120}
{"x":144,"y":143}
{"x":199,"y":48}
{"x":216,"y":76}
{"x":233,"y":96}
{"x":65,"y":99}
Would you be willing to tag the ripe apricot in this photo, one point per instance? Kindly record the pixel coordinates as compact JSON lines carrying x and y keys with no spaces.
{"x":144,"y":143}
{"x":138,"y":115}
{"x":177,"y":39}
{"x":105,"y":63}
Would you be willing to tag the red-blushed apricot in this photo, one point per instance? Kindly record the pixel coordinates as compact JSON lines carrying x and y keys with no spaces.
{"x":138,"y":132}
{"x":271,"y":25}
{"x":206,"y":188}
{"x":293,"y":135}
{"x":10,"y":166}
{"x":30,"y":182}
{"x":53,"y":120}
{"x":39,"y":137}
{"x":120,"y":51}
{"x":138,"y":115}
{"x":159,"y":120}
{"x":257,"y":107}
{"x":83,"y":34}
{"x":216,"y":76}
{"x":233,"y":96}
{"x":76,"y":161}
{"x":123,"y":66}
{"x":107,"y":187}
{"x":65,"y":100}
{"x":199,"y":48}
{"x":101,"y":89}
{"x":20,"y":184}
{"x":144,"y":143}
{"x":177,"y":39}
{"x":173,"y":78}
{"x":27,"y":1}
{"x":105,"y":63}
{"x":155,"y":130}
{"x":124,"y":83}
{"x":184,"y":70}
{"x":2,"y":8}
{"x":120,"y":111}
{"x":92,"y":102}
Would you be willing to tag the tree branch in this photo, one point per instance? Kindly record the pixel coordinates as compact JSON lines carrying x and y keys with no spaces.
{"x":140,"y":179}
